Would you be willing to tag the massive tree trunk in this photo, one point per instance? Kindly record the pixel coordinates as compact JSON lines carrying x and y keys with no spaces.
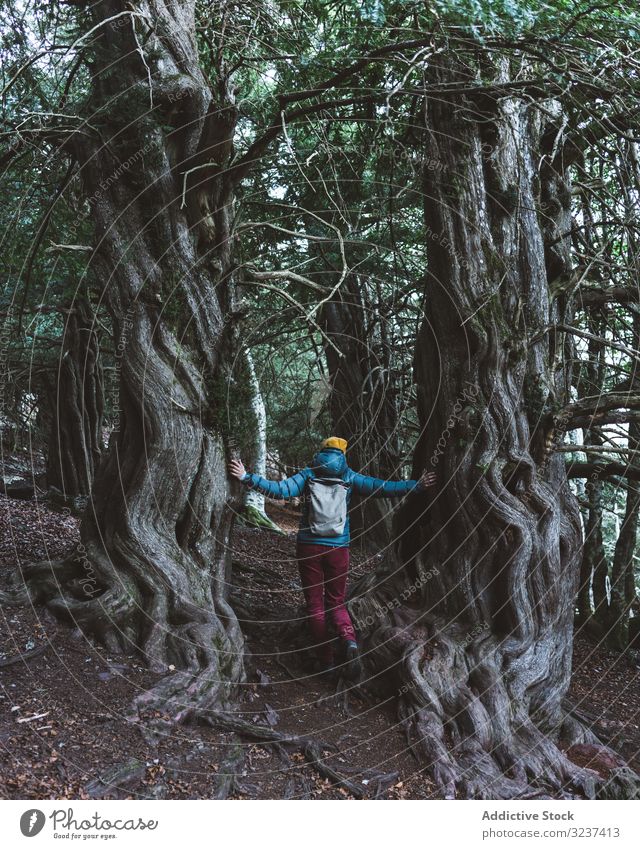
{"x":151,"y":572}
{"x":479,"y":630}
{"x":72,"y":407}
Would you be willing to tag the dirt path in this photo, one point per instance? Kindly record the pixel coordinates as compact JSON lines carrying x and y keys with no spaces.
{"x":65,"y":733}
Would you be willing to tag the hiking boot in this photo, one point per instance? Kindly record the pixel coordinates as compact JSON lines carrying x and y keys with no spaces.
{"x":352,"y":667}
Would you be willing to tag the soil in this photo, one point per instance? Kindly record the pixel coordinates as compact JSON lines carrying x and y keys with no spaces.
{"x":66,"y":731}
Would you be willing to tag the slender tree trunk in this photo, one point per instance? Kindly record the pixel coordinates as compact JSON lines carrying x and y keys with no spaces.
{"x":254,"y":511}
{"x":151,"y":573}
{"x":594,"y":568}
{"x":73,"y":406}
{"x":479,"y":631}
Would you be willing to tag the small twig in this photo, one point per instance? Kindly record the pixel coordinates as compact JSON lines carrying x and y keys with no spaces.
{"x":309,"y":317}
{"x":190,"y":171}
{"x":179,"y":405}
{"x":33,"y":718}
{"x":285,"y":274}
{"x":55,"y":247}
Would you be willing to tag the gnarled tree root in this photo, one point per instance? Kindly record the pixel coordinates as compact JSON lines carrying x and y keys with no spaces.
{"x":377,"y":782}
{"x":199,"y":646}
{"x":226,"y":781}
{"x":471,"y":722}
{"x":467,"y":758}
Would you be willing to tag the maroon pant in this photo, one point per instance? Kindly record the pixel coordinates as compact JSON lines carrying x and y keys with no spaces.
{"x":323,"y":572}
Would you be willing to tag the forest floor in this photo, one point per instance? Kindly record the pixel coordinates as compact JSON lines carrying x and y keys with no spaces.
{"x":64,"y":732}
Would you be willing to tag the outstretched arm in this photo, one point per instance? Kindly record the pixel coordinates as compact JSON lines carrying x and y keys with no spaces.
{"x":288,"y":488}
{"x":377,"y":487}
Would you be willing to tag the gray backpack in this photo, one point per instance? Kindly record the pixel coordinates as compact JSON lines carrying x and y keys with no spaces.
{"x":327,"y":506}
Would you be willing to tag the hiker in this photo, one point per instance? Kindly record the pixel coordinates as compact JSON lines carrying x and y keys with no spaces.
{"x":323,"y":536}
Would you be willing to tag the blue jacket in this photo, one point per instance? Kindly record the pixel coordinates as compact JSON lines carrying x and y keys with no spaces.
{"x":330,"y":462}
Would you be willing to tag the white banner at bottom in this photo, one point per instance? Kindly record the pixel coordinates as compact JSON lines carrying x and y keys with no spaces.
{"x":311,"y":824}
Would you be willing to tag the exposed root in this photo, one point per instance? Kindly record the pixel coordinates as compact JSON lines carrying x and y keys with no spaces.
{"x":339,"y":699}
{"x":200,"y":646}
{"x":21,"y":658}
{"x":251,"y":517}
{"x":117,"y":780}
{"x":312,"y":750}
{"x":480,"y":740}
{"x":230,"y":768}
{"x":22,"y":585}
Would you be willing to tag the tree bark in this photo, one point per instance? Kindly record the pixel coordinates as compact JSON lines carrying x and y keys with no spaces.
{"x":254,"y":511}
{"x":151,"y":573}
{"x":479,"y":629}
{"x":594,"y":567}
{"x":623,"y":590}
{"x":73,"y":404}
{"x":623,"y":595}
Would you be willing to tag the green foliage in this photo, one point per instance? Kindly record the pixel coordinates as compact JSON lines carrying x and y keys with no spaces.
{"x":287,"y":375}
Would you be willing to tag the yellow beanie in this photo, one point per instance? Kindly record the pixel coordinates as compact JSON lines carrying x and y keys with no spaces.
{"x":335,"y":442}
